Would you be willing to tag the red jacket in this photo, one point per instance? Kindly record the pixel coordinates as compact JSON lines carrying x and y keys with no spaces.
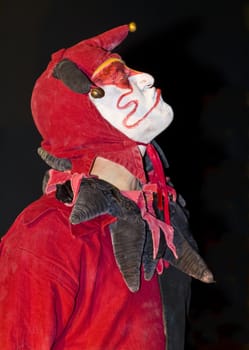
{"x":60,"y":287}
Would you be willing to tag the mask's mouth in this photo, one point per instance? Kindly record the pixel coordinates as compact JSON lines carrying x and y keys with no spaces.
{"x":129,"y":123}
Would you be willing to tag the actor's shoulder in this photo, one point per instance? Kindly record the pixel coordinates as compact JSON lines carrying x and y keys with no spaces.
{"x":44,"y":207}
{"x":43,"y":217}
{"x":40,"y":228}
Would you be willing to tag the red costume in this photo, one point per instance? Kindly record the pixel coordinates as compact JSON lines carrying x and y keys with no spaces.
{"x":65,"y":284}
{"x":63,"y":289}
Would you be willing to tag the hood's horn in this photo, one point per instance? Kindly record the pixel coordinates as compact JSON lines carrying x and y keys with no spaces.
{"x":68,"y":72}
{"x":60,"y":164}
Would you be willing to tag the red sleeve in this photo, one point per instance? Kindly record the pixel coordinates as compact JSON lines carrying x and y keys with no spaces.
{"x":36,"y":300}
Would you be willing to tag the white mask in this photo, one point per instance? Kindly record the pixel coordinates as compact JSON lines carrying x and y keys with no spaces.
{"x":131,"y":103}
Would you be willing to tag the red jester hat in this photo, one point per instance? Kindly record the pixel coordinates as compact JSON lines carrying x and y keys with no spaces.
{"x":70,"y":125}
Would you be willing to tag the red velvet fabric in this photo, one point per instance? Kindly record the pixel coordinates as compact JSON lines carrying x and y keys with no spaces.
{"x":60,"y":287}
{"x":70,"y":125}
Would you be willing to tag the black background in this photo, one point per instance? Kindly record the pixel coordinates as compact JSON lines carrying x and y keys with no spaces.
{"x":198,"y":53}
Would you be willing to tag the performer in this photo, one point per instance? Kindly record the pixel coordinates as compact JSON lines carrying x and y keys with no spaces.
{"x":103,"y":260}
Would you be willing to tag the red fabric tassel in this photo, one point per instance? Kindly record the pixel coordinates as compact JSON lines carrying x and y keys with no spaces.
{"x":157,"y":176}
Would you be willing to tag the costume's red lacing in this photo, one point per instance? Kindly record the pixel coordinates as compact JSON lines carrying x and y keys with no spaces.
{"x":163,"y":191}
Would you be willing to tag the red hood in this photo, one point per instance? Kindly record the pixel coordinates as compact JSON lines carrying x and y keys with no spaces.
{"x":70,"y":125}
